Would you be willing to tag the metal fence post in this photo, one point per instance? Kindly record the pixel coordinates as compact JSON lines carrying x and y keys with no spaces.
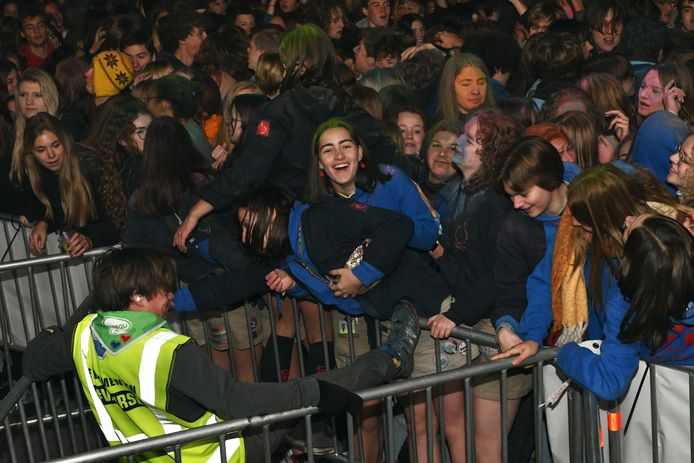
{"x":654,"y":417}
{"x":591,"y":426}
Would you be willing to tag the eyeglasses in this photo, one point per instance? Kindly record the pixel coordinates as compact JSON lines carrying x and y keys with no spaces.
{"x":147,"y":98}
{"x":141,"y":132}
{"x":683,"y":158}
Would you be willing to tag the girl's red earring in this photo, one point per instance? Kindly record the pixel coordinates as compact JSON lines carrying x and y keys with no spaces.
{"x":322,"y":173}
{"x":362,"y":165}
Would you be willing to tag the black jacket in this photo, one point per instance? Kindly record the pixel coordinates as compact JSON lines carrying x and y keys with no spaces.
{"x":279,"y":150}
{"x":98,"y":229}
{"x":158,"y":232}
{"x":471,"y":224}
{"x":520,"y":246}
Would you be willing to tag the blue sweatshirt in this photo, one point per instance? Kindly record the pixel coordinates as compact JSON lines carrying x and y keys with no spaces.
{"x":401,"y":195}
{"x":537,"y":317}
{"x":609,"y":374}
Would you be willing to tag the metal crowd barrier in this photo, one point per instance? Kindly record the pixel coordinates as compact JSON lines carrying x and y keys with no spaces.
{"x":59,"y":425}
{"x":51,"y":419}
{"x":653,"y":421}
{"x":38,"y":295}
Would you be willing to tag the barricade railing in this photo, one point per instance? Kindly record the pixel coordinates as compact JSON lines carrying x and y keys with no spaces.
{"x":585,"y":430}
{"x":55,"y":411}
{"x":386,"y":393}
{"x":37,"y":291}
{"x":636,"y":427}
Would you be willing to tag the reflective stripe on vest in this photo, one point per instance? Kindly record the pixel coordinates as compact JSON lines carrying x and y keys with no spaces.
{"x":103,"y":417}
{"x":150,"y":355}
{"x":148,"y":365}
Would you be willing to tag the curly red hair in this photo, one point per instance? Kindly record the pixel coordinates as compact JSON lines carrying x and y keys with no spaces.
{"x":497,"y":133}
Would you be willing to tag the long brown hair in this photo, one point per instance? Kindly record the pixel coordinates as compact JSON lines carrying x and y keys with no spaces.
{"x":607,"y":94}
{"x":113,"y":128}
{"x":75,"y":193}
{"x":582,"y":131}
{"x":656,"y":275}
{"x":171,"y":166}
{"x":601,"y":198}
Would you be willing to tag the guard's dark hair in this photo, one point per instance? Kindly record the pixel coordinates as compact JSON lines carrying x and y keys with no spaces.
{"x":120,"y":273}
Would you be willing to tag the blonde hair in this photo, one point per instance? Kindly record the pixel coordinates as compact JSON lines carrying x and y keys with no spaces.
{"x":448,"y":102}
{"x":75,"y":193}
{"x":581,"y":130}
{"x":269,"y":74}
{"x":49,"y":93}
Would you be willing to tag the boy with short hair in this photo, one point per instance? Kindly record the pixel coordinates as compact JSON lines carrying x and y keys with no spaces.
{"x":138,"y":46}
{"x":143,"y":380}
{"x":37,"y":48}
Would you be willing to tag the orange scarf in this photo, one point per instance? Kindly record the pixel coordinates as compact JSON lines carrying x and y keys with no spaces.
{"x":569,"y":295}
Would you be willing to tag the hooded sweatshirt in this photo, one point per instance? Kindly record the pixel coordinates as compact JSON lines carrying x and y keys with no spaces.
{"x":655,"y":142}
{"x":279,"y":149}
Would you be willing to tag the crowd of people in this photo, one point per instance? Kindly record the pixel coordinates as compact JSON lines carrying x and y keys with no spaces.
{"x":519,"y":167}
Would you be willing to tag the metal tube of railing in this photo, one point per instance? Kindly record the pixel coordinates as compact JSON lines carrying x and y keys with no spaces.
{"x":45,"y":260}
{"x":654,"y":417}
{"x":9,"y":402}
{"x":430,"y":381}
{"x":575,"y":406}
{"x":691,"y":416}
{"x":538,"y":398}
{"x":591,"y":427}
{"x":614,"y":432}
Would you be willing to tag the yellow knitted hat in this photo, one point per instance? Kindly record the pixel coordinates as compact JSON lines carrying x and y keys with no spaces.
{"x":113,"y":72}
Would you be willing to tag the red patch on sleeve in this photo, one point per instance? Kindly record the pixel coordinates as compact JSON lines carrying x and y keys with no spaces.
{"x":359,"y":206}
{"x":263,"y":128}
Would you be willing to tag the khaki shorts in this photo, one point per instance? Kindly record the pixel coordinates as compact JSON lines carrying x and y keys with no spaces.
{"x":519,"y":381}
{"x":238,"y":327}
{"x":195,"y":330}
{"x":452,"y":352}
{"x":341,"y":338}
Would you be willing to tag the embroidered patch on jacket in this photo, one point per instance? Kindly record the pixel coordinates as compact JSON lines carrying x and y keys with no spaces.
{"x":263,"y":128}
{"x":359,"y":206}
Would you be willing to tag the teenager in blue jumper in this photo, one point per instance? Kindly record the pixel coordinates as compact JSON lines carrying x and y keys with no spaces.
{"x":599,"y":201}
{"x":342,"y":167}
{"x":537,"y":182}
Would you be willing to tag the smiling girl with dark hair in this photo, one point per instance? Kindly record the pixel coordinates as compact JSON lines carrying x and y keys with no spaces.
{"x":277,"y":151}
